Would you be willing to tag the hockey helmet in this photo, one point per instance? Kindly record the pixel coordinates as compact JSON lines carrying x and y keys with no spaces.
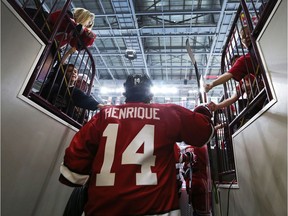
{"x":137,"y":88}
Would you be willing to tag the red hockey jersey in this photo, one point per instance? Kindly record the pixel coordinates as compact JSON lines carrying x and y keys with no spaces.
{"x":127,"y":151}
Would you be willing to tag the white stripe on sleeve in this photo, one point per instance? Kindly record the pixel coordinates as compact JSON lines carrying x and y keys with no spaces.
{"x":73,"y":177}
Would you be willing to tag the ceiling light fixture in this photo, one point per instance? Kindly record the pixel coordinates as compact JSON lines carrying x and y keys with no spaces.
{"x":130,"y":54}
{"x":164,"y":90}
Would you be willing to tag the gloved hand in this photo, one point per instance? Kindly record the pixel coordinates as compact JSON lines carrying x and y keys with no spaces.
{"x":79,"y":29}
{"x":189,"y":156}
{"x":85,"y":38}
{"x":204,"y":109}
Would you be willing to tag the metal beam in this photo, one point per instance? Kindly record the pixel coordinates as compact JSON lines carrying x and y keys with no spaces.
{"x":138,"y":34}
{"x":161,"y":13}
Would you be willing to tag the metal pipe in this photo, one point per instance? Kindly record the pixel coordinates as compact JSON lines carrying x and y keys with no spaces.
{"x":138,"y":36}
{"x":216,"y":36}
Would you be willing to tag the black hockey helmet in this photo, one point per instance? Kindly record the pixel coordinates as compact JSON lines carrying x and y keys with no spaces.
{"x":137,"y":88}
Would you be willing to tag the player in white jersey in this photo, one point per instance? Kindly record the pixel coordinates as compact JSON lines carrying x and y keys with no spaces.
{"x":126,"y":153}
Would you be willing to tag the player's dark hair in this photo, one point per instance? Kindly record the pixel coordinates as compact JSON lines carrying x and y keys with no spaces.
{"x":137,"y":88}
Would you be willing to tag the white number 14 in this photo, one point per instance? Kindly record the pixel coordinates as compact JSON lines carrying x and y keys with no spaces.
{"x":130,"y":156}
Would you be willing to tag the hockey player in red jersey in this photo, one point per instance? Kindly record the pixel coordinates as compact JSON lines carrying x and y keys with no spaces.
{"x":126,"y":152}
{"x":198,"y":181}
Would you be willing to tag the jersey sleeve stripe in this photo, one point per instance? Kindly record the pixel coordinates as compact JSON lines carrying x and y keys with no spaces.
{"x":212,"y":133}
{"x":73,"y":177}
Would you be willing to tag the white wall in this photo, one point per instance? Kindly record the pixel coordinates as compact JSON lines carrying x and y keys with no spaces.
{"x":32,"y":143}
{"x":261,"y":148}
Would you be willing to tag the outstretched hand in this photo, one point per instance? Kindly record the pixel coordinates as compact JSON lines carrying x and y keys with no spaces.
{"x":219,"y":126}
{"x":212,"y":106}
{"x":207,"y":87}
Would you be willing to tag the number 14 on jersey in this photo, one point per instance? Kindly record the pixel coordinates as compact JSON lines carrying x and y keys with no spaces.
{"x":130,"y":156}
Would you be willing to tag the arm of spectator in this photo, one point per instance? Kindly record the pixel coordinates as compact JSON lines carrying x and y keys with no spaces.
{"x":219,"y":126}
{"x":101,"y":106}
{"x":212,"y":106}
{"x":227,"y":102}
{"x":220,"y":80}
{"x":82,"y":100}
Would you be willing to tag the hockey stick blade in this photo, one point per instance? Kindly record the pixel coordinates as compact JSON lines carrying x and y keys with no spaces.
{"x":191,"y":55}
{"x":190,"y":52}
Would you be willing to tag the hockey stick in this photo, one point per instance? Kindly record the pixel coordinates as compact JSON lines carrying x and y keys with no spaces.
{"x":191,"y":55}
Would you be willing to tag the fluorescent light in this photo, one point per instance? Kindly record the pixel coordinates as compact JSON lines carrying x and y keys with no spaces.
{"x":192,"y":91}
{"x":164,"y":90}
{"x":105,"y":90}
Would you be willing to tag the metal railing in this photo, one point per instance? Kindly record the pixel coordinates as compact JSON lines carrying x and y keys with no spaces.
{"x":58,"y":38}
{"x":252,"y":90}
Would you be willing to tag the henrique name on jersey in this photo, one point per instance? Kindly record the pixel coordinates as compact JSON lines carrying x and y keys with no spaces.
{"x":132,"y":112}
